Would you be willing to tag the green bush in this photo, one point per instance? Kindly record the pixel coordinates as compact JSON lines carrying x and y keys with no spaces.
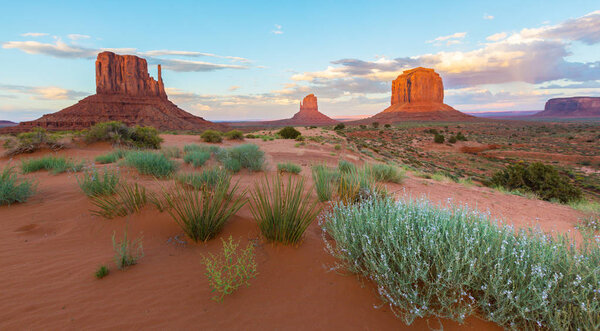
{"x":386,"y":173}
{"x":145,"y":137}
{"x":197,"y":159}
{"x":460,"y":136}
{"x":247,"y":156}
{"x":339,"y":126}
{"x":93,"y":184}
{"x":208,"y":177}
{"x":438,"y":138}
{"x":111,"y":157}
{"x":118,"y":133}
{"x":13,"y":189}
{"x":212,"y":136}
{"x":150,"y":163}
{"x":201,"y":148}
{"x":387,"y":125}
{"x":201,"y":213}
{"x":29,"y":142}
{"x":452,"y":139}
{"x":235,"y":135}
{"x":289,"y":167}
{"x":54,"y":164}
{"x":375,"y":124}
{"x":171,"y":152}
{"x":289,"y":133}
{"x":543,"y":180}
{"x":452,"y":263}
{"x":283,"y":211}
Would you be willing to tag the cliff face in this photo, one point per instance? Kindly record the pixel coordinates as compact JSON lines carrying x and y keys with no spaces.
{"x":571,"y":107}
{"x":124,"y":92}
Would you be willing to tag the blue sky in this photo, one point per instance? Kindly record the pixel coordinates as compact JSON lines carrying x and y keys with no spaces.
{"x":232,"y":60}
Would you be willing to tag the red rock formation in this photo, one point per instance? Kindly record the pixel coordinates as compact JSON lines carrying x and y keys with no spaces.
{"x":571,"y":107}
{"x":124,"y":92}
{"x":309,"y":114}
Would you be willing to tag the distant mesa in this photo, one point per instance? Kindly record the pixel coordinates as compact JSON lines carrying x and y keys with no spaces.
{"x":6,"y":123}
{"x":124,"y":92}
{"x":418,"y":94}
{"x":575,"y":107}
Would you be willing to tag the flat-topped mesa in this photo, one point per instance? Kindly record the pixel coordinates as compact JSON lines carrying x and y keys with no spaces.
{"x":128,"y":75}
{"x":418,"y":85}
{"x":571,"y":107}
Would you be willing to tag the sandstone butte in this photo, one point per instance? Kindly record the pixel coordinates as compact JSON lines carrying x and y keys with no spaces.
{"x":575,"y":107}
{"x":417,"y":94}
{"x":309,"y":114}
{"x":124,"y":92}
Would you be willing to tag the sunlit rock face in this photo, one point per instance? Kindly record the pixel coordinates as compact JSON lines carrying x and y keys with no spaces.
{"x":571,"y":107}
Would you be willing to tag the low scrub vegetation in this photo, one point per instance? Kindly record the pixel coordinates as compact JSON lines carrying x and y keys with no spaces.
{"x":120,"y":134}
{"x":452,"y":263}
{"x":209,"y":177}
{"x":13,"y":189}
{"x":129,"y":199}
{"x":202,"y":212}
{"x":324,"y":179}
{"x":171,"y":152}
{"x":196,"y":158}
{"x":127,"y":252}
{"x":542,"y":180}
{"x":234,"y":135}
{"x":212,"y":136}
{"x":201,"y":148}
{"x":150,"y":163}
{"x":231,"y":269}
{"x":282,"y":209}
{"x":289,"y":167}
{"x":386,"y":173}
{"x":111,"y":157}
{"x":101,"y":272}
{"x":357,"y":184}
{"x":247,"y":156}
{"x":92,"y":183}
{"x":289,"y":132}
{"x":29,"y":142}
{"x":54,"y":164}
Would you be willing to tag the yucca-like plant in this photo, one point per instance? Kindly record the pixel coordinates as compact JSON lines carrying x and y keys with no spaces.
{"x":356,"y":184}
{"x":128,"y":199}
{"x":93,"y":184}
{"x":209,"y":177}
{"x":202,"y":212}
{"x":13,"y":189}
{"x":150,"y":163}
{"x":283,"y":211}
{"x":324,"y":179}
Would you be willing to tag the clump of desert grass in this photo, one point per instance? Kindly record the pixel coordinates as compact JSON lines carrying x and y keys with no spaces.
{"x":351,"y":183}
{"x":29,"y":142}
{"x":202,"y":211}
{"x":150,"y":163}
{"x":231,"y":269}
{"x":128,"y":199}
{"x":101,"y":272}
{"x":248,"y":156}
{"x":454,"y":262}
{"x":201,"y":148}
{"x":14,"y":189}
{"x":127,"y":251}
{"x":92,"y":183}
{"x":209,"y":177}
{"x":196,"y":158}
{"x":324,"y":179}
{"x":111,"y":157}
{"x":54,"y":164}
{"x":172,"y":152}
{"x":234,"y":135}
{"x":386,"y":173}
{"x":289,"y":167}
{"x":283,"y":209}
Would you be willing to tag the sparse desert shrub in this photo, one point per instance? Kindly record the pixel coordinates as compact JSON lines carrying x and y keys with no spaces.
{"x":232,"y":165}
{"x":209,"y":177}
{"x":300,"y":138}
{"x":128,"y":199}
{"x":150,"y":163}
{"x":29,"y":142}
{"x":93,"y":184}
{"x":452,"y":263}
{"x":234,"y":135}
{"x":234,"y":268}
{"x":362,"y":126}
{"x":283,"y":211}
{"x":387,"y":125}
{"x":337,"y":147}
{"x":375,"y":124}
{"x":127,"y":252}
{"x":543,"y":180}
{"x":346,"y":166}
{"x":289,"y":132}
{"x":460,"y":136}
{"x":339,"y":126}
{"x":201,"y":213}
{"x":324,"y":179}
{"x":289,"y":167}
{"x":172,"y":152}
{"x":197,"y":159}
{"x":358,"y":184}
{"x":212,"y":136}
{"x":386,"y":173}
{"x":247,"y":156}
{"x":54,"y":164}
{"x":145,"y":137}
{"x":13,"y":189}
{"x":120,"y":134}
{"x":438,"y":138}
{"x":101,"y":272}
{"x":111,"y":157}
{"x":201,"y":148}
{"x":452,"y":139}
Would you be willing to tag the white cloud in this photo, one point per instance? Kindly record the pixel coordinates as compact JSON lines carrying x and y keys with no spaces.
{"x":452,"y":39}
{"x":488,"y":17}
{"x":76,"y":36}
{"x":497,"y":36}
{"x":234,"y":88}
{"x":277,"y":29}
{"x":44,"y":92}
{"x":34,"y":34}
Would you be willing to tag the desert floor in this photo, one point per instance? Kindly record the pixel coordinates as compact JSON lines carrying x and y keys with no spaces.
{"x":51,"y":245}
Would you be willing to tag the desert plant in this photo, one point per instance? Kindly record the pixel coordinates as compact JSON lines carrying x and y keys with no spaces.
{"x":346,"y":166}
{"x":538,"y":178}
{"x":128,"y":199}
{"x":234,"y":135}
{"x":289,"y":167}
{"x":375,"y":125}
{"x":247,"y":156}
{"x":438,"y":138}
{"x":337,"y":147}
{"x":212,"y":136}
{"x":324,"y":179}
{"x":460,"y":136}
{"x":145,"y":137}
{"x":452,"y":139}
{"x":101,"y":272}
{"x":451,"y":263}
{"x":172,"y":152}
{"x":339,"y":126}
{"x":150,"y":163}
{"x":283,"y":211}
{"x":358,"y":184}
{"x":13,"y":189}
{"x":234,"y":268}
{"x":209,"y":177}
{"x":202,"y":212}
{"x":118,"y":133}
{"x":197,"y":159}
{"x":289,"y":132}
{"x":93,"y":184}
{"x":386,"y":173}
{"x":54,"y":164}
{"x":29,"y":142}
{"x":127,"y":252}
{"x":111,"y":157}
{"x":387,"y":125}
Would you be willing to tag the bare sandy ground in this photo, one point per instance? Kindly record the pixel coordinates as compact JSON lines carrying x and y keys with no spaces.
{"x":51,"y":245}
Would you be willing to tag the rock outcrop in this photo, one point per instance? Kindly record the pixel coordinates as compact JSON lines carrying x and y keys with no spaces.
{"x":6,"y":123}
{"x":575,"y":107}
{"x":417,"y":94}
{"x":124,"y":92}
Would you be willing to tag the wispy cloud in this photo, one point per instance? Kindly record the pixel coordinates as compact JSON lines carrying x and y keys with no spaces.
{"x":76,"y":36}
{"x":497,"y":36}
{"x":34,"y":34}
{"x":452,"y":39}
{"x":488,"y":17}
{"x":277,"y":29}
{"x":44,"y":92}
{"x":234,"y":88}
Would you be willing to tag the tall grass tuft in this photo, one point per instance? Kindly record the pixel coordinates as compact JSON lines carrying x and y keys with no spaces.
{"x":452,"y":263}
{"x":346,"y":166}
{"x":93,"y":184}
{"x":111,"y":157}
{"x":386,"y":173}
{"x":13,"y":189}
{"x":54,"y":164}
{"x":127,"y":252}
{"x":172,"y":152}
{"x":324,"y":179}
{"x":283,"y":210}
{"x":201,"y":148}
{"x":356,"y":184}
{"x":209,"y":177}
{"x":203,"y":212}
{"x":289,"y":167}
{"x":196,"y":158}
{"x":150,"y":163}
{"x":247,"y":156}
{"x":128,"y":199}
